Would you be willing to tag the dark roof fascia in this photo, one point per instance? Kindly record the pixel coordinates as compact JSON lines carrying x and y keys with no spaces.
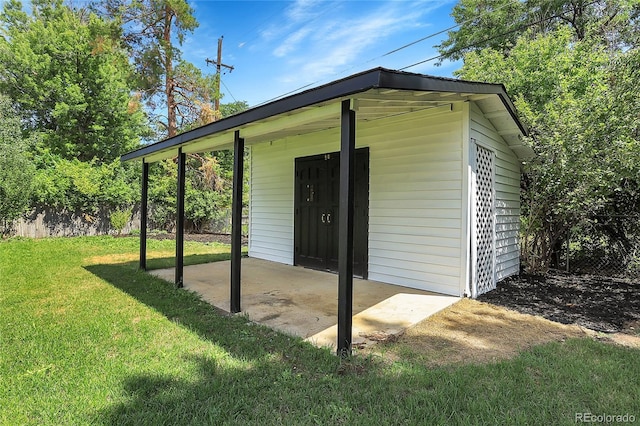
{"x":407,"y":81}
{"x":345,"y":87}
{"x":377,"y":78}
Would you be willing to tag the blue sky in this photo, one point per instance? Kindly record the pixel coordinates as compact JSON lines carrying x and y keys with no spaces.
{"x":279,"y":46}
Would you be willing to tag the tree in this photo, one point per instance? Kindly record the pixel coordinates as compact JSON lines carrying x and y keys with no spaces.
{"x":67,"y":74}
{"x":16,"y":169}
{"x":208,"y":184}
{"x":574,"y":84}
{"x":498,"y":24}
{"x":482,"y":24}
{"x":227,"y":110}
{"x":153,"y":31}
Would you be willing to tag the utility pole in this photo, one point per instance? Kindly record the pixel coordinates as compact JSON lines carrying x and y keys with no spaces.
{"x":219,"y":66}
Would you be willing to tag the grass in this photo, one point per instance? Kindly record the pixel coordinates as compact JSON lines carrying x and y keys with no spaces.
{"x":86,"y":338}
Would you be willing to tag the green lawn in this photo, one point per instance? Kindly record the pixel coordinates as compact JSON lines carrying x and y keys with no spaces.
{"x":85,"y":338}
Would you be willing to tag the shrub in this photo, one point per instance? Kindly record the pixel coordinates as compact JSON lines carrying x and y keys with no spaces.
{"x":119,"y":219}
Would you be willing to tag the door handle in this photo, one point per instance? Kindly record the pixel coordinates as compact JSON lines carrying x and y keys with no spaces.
{"x":329,"y":218}
{"x":323,"y":218}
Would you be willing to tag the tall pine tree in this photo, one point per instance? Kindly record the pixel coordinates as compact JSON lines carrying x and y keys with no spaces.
{"x":154,"y":30}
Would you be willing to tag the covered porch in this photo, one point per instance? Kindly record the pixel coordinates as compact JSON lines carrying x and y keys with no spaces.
{"x":414,"y":215}
{"x":303,"y":302}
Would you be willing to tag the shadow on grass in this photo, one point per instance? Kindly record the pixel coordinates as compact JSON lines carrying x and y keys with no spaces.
{"x":272,"y":364}
{"x":193,"y":259}
{"x":189,"y":310}
{"x":268,"y":393}
{"x":262,"y":377}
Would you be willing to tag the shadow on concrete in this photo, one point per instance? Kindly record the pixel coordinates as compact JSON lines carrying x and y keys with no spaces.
{"x":304,"y":302}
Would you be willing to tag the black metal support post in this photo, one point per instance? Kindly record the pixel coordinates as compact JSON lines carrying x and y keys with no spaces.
{"x":143,"y":215}
{"x":179,"y":278}
{"x":345,"y":223}
{"x":236,"y":221}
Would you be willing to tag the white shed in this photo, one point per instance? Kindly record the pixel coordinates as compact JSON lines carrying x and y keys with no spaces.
{"x":419,"y":174}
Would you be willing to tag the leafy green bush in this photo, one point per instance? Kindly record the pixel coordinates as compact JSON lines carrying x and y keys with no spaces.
{"x":84,"y":186}
{"x":74,"y":185}
{"x":119,"y":219}
{"x":16,"y":168}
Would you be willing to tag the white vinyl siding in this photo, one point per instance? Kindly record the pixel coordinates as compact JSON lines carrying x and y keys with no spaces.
{"x":415,"y":201}
{"x":415,"y":193}
{"x":507,"y":194}
{"x":271,"y":202}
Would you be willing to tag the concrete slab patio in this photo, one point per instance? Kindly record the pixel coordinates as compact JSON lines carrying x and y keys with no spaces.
{"x":304,"y":302}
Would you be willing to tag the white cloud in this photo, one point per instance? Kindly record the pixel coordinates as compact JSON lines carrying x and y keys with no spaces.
{"x":303,"y":10}
{"x":300,"y":14}
{"x":320,"y":48}
{"x":292,"y":42}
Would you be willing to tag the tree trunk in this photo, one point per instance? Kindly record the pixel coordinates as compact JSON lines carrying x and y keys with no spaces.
{"x":172,"y":123}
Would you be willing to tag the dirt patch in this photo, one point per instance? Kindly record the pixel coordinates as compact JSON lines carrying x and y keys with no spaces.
{"x":523,"y":312}
{"x":602,"y":304}
{"x":623,"y":339}
{"x":475,"y":332}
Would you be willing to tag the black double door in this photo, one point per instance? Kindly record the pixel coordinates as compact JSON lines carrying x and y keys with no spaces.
{"x":317,"y":195}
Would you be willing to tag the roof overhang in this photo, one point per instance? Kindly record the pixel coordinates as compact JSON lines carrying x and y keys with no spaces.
{"x":374,"y":94}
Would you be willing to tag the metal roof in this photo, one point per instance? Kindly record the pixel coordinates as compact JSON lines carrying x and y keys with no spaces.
{"x":375,"y":94}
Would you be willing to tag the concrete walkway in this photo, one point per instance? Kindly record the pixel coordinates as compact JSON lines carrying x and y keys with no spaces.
{"x":304,"y":302}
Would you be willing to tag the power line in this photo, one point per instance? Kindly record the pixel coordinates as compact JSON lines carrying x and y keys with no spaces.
{"x":481,"y":42}
{"x":388,"y":53}
{"x":288,"y":93}
{"x":432,"y":35}
{"x":228,"y":91}
{"x":283,"y":38}
{"x":475,"y":44}
{"x":421,"y":40}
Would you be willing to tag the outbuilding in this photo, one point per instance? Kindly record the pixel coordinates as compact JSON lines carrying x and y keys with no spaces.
{"x":396,"y":177}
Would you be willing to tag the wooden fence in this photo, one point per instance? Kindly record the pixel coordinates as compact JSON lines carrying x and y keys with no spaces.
{"x":48,"y":222}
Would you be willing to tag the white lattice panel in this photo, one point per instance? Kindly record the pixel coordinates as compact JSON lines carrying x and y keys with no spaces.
{"x":484,"y":221}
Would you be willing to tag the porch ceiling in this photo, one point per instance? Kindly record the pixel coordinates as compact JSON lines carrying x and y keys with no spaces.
{"x":315,"y":111}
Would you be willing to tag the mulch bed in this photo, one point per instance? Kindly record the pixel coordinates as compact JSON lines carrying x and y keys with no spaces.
{"x":599,"y":303}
